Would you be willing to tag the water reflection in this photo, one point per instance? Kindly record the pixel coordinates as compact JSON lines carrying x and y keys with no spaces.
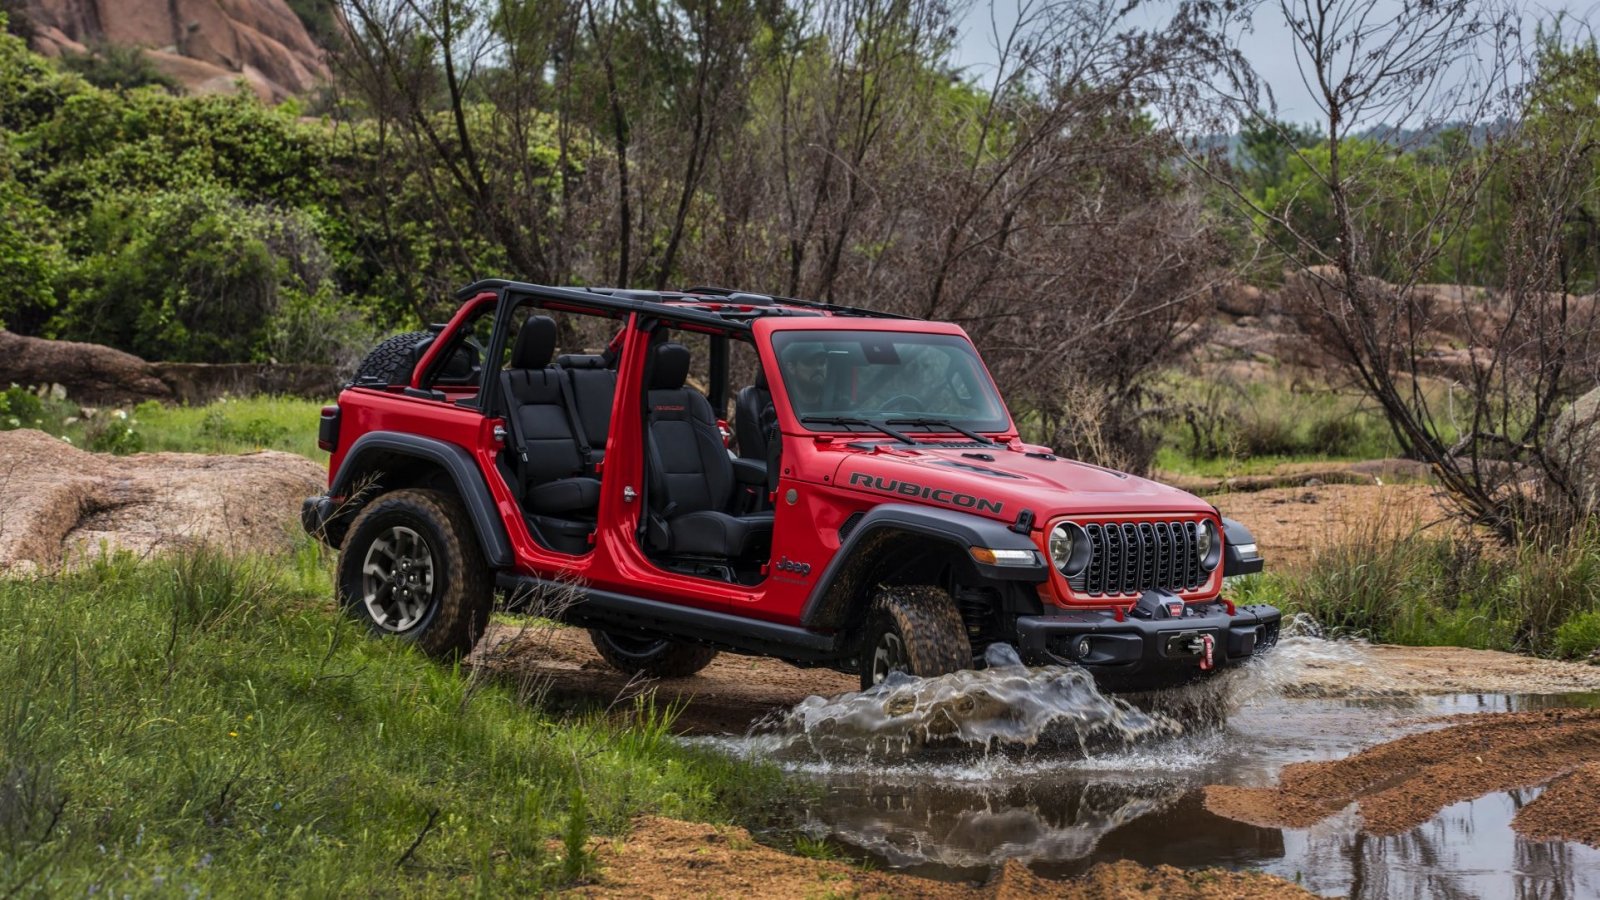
{"x":1467,"y":851}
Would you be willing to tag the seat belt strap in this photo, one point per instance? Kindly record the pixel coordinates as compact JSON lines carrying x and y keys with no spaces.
{"x":570,"y":402}
{"x":519,"y":446}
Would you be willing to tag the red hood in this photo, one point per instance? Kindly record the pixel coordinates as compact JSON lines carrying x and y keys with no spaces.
{"x":1011,"y":482}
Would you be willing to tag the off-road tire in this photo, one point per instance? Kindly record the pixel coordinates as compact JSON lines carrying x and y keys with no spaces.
{"x":386,"y":359}
{"x":928,"y":626}
{"x":462,"y":593}
{"x":657,"y":658}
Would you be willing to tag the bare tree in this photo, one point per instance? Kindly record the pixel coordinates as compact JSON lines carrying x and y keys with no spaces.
{"x":1390,"y":80}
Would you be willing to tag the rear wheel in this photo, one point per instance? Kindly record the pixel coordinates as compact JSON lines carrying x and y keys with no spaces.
{"x":656,"y":657}
{"x":916,"y":630}
{"x":410,"y":568}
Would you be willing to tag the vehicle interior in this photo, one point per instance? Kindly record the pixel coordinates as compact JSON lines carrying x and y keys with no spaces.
{"x":709,"y":513}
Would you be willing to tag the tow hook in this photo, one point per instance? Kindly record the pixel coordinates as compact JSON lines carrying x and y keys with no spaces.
{"x":1202,"y":646}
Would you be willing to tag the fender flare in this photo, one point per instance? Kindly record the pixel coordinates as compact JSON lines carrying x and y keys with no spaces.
{"x":829,"y":603}
{"x":1235,"y":535}
{"x":455,"y":461}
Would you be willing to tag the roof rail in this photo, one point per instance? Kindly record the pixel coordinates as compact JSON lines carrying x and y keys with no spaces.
{"x":794,"y":301}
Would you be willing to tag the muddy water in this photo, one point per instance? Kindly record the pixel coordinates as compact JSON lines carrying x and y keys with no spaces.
{"x":937,"y":778}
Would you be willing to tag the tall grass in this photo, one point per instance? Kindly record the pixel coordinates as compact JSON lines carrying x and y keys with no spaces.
{"x":229,"y":425}
{"x":1428,"y":589}
{"x":206,"y":725}
{"x":1223,"y":426}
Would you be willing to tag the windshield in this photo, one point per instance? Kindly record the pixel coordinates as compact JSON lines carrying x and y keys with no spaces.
{"x":887,"y":375}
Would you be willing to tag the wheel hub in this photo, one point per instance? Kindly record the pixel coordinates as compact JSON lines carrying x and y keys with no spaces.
{"x":888,"y":656}
{"x":397,"y":579}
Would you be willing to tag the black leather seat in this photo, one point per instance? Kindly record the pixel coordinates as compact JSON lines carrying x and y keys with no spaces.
{"x":692,"y":481}
{"x":754,"y":419}
{"x":553,"y":475}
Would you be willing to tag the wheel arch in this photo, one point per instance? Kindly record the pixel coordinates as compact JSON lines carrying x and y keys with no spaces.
{"x":907,"y":544}
{"x":381,"y":461}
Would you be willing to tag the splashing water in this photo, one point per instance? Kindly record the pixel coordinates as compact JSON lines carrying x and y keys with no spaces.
{"x":1005,"y":705}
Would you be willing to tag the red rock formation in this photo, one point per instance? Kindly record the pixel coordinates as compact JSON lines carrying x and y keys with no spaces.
{"x":206,"y":45}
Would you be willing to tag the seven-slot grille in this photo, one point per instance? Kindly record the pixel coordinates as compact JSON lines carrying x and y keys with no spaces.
{"x":1133,"y":557}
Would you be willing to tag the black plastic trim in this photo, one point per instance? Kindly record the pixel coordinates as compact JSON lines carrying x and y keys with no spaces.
{"x":608,"y":609}
{"x":456,"y":461}
{"x":828,"y":605}
{"x":1132,"y":654}
{"x":1234,"y":534}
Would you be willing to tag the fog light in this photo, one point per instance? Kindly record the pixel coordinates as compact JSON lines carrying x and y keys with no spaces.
{"x":1083,"y":648}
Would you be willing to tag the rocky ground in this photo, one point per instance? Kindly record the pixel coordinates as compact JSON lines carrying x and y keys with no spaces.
{"x":59,"y":504}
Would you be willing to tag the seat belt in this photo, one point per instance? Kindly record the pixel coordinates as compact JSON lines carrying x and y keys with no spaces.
{"x":512,"y":419}
{"x":570,"y":402}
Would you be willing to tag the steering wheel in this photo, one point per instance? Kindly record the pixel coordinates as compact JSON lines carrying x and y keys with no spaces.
{"x":903,"y":401}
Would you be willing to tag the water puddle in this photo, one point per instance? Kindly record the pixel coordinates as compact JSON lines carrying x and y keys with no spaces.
{"x":950,"y":777}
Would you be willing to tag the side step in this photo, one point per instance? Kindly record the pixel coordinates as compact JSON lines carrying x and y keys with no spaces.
{"x":625,"y":613}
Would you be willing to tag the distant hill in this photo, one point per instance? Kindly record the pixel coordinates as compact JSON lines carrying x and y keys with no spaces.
{"x":206,"y":46}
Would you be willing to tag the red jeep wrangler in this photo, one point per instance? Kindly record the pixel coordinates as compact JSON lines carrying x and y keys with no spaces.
{"x":877,"y":512}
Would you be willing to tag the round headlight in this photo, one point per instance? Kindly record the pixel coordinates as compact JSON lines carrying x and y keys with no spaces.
{"x":1205,"y":542}
{"x":1061,"y":547}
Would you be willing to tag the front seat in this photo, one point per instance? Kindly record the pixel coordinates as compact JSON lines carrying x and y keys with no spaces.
{"x":691,"y":475}
{"x":754,"y":418}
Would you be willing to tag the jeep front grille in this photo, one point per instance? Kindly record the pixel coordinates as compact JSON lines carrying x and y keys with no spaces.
{"x":1133,"y":557}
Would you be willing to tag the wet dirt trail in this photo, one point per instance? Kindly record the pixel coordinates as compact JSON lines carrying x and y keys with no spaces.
{"x":942,"y":779}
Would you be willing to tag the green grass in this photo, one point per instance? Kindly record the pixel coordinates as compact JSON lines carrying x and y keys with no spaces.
{"x":1433,"y":590}
{"x":208,"y":726}
{"x":224,"y":426}
{"x":233,"y":426}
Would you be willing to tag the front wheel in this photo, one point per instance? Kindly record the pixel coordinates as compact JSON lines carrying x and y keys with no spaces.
{"x":916,"y":630}
{"x":409,"y":567}
{"x":652,"y":656}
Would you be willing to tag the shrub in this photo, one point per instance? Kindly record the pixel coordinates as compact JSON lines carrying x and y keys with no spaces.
{"x":193,"y":276}
{"x":118,"y":67}
{"x":1450,"y":590}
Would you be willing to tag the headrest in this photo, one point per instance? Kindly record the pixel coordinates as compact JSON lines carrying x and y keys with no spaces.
{"x":669,"y":367}
{"x":761,"y":378}
{"x":581,"y":361}
{"x":536,"y":343}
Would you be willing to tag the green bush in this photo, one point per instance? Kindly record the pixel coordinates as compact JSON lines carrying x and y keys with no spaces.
{"x":1579,"y":636}
{"x":118,"y":67}
{"x":206,"y":274}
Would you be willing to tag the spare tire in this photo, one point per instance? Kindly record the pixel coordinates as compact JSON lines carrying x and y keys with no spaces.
{"x":390,"y":361}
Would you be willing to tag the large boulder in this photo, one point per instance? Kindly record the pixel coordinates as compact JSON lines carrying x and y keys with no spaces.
{"x":200,"y":43}
{"x":1574,"y":443}
{"x":60,"y":505}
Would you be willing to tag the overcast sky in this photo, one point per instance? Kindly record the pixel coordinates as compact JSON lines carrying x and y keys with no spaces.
{"x":1267,"y":46}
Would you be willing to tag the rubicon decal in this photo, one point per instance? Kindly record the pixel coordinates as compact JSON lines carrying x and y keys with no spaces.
{"x":937,"y":495}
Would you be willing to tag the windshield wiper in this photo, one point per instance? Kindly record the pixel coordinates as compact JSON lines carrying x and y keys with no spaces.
{"x":849,"y":420}
{"x":944,"y":423}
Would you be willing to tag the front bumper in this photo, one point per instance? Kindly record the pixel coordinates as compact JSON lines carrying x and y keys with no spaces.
{"x":1139,"y":654}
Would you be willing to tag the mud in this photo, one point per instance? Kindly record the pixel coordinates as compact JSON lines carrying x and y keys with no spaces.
{"x":1404,"y":782}
{"x":668,"y":858}
{"x":1569,"y":809}
{"x":60,"y":505}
